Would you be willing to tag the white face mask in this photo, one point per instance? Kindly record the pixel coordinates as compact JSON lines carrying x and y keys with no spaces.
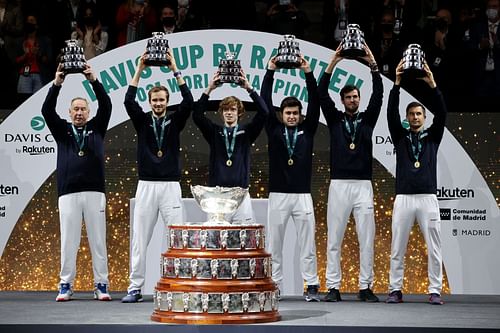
{"x":491,"y":13}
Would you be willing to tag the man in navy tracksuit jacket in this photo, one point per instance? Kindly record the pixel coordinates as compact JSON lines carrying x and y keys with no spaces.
{"x":416,"y":184}
{"x":158,"y":190}
{"x":290,"y":147}
{"x":80,"y":181}
{"x":229,"y":164}
{"x":351,"y":189}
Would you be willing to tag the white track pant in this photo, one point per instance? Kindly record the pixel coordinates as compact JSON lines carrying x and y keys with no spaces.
{"x":151,"y":198}
{"x":344,"y":197}
{"x":425,"y":209}
{"x":91,"y":207}
{"x":299,"y":206}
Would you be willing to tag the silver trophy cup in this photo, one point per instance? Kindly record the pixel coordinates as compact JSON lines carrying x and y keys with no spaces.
{"x":73,"y":58}
{"x":288,"y":53}
{"x":156,"y":50}
{"x":353,"y":42}
{"x":218,"y":201}
{"x":413,"y":62}
{"x":229,"y":70}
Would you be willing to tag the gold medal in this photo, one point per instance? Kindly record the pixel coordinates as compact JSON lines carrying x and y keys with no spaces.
{"x":417,"y":164}
{"x":290,"y":162}
{"x":81,"y":153}
{"x":352,"y":146}
{"x":229,"y":163}
{"x":159,"y":153}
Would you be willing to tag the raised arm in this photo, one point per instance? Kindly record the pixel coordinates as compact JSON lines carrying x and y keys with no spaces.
{"x":313,"y":105}
{"x":104,"y":106}
{"x":133,"y":108}
{"x":54,"y":122}
{"x":393,"y":118}
{"x":206,"y":126}
{"x":438,"y":107}
{"x":181,"y":116}
{"x":266,"y":92}
{"x":326,"y":102}
{"x":258,"y":121}
{"x":375,"y":104}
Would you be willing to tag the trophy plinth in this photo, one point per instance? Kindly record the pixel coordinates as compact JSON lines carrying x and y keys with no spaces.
{"x":413,"y":62}
{"x":73,"y":59}
{"x":229,"y":70}
{"x":352,"y":45}
{"x":156,"y":50}
{"x":216,"y":272}
{"x":288,"y":53}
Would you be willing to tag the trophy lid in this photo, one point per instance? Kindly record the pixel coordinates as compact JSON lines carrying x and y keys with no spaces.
{"x":159,"y":34}
{"x":288,"y":38}
{"x":230,"y":55}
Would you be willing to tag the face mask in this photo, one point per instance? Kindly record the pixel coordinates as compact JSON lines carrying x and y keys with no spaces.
{"x":89,"y":21}
{"x":387,"y":27}
{"x":491,"y":13}
{"x":30,"y":27}
{"x":168,"y":21}
{"x":441,"y":24}
{"x":182,"y":3}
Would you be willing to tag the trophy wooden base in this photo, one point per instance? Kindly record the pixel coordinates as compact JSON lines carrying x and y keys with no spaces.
{"x":190,"y":318}
{"x":216,"y":275}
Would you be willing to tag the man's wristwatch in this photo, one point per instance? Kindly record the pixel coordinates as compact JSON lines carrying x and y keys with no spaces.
{"x":177,"y":74}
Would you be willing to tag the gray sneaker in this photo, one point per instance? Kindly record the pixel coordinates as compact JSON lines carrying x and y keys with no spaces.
{"x":312,"y":293}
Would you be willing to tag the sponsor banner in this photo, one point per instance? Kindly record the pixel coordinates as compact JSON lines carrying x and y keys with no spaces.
{"x":28,"y":151}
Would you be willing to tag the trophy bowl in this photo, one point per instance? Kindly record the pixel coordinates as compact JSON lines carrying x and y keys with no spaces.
{"x":218,"y":201}
{"x":352,"y":43}
{"x":73,"y":58}
{"x":288,"y":53}
{"x":413,"y":62}
{"x":156,"y":50}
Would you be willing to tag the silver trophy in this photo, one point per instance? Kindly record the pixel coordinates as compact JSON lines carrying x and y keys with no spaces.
{"x":156,"y":50}
{"x":73,"y":58}
{"x":229,"y":70}
{"x":352,"y":45}
{"x":218,"y":201}
{"x":288,"y":53}
{"x":413,"y":62}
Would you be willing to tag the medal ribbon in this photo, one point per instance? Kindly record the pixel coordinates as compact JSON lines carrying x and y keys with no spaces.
{"x":80,"y":140}
{"x":291,"y":147}
{"x":230,"y":148}
{"x":417,"y":146}
{"x":352,"y":131}
{"x":159,"y":139}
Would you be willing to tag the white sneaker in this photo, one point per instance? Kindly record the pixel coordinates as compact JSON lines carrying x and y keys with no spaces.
{"x":101,"y":292}
{"x":65,"y":293}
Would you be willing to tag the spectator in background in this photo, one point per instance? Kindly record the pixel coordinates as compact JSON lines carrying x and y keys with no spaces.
{"x":168,"y":19}
{"x":34,"y":60}
{"x":485,"y":45}
{"x":188,"y":15}
{"x":135,"y":20}
{"x":387,"y":46}
{"x":284,"y":18}
{"x":90,"y":35}
{"x":11,"y":30}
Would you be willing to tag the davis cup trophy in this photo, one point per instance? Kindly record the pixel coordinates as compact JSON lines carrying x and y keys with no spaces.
{"x":352,"y":45}
{"x":288,"y":53}
{"x":413,"y":62}
{"x":156,"y":50}
{"x":229,"y":70}
{"x":73,"y":59}
{"x":216,"y":272}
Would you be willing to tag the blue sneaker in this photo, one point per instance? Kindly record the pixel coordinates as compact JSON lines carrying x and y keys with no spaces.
{"x":133,"y":296}
{"x":65,"y":292}
{"x":101,"y":292}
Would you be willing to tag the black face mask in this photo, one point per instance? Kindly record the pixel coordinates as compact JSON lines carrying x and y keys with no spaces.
{"x":441,"y":24}
{"x":89,"y":21}
{"x":387,"y":27}
{"x":168,"y":21}
{"x":29,"y":27}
